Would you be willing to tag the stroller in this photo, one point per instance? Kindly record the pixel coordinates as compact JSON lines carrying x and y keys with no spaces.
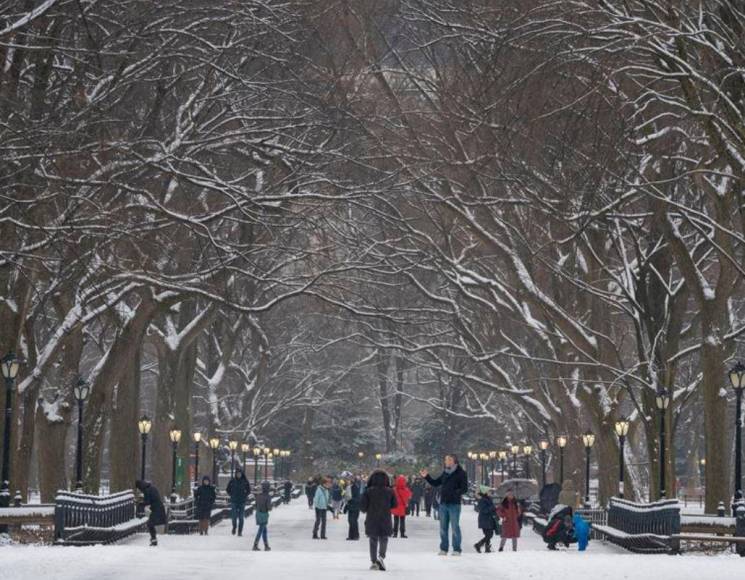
{"x":560,"y":527}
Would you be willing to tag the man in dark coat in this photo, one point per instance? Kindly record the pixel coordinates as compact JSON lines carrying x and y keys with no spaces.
{"x":352,"y":509}
{"x":238,"y":490}
{"x":453,"y":483}
{"x":417,"y":492}
{"x":310,"y":492}
{"x":377,"y":503}
{"x":288,"y":491}
{"x":204,"y":501}
{"x":151,"y":497}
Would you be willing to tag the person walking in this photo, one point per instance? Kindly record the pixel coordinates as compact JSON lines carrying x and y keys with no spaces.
{"x":352,"y":508}
{"x":377,"y":502}
{"x":238,"y":489}
{"x":429,"y":498}
{"x":403,"y":496}
{"x":337,"y":496}
{"x":417,"y":492}
{"x":321,"y":503}
{"x":310,"y":491}
{"x":151,"y":498}
{"x":287,"y":488}
{"x":453,"y":483}
{"x":263,"y":507}
{"x":204,"y":501}
{"x":510,"y":511}
{"x":487,"y":519}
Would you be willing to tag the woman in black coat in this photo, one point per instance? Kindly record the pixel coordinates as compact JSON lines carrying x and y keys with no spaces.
{"x":204,"y":501}
{"x":377,"y":503}
{"x":151,"y":497}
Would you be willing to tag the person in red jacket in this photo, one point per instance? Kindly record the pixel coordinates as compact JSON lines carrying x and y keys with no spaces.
{"x":510,"y":511}
{"x":403,"y":495}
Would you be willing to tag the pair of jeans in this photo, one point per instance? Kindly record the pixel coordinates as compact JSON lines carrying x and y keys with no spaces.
{"x":378,"y":547}
{"x":450,"y":518}
{"x":237,"y":515}
{"x":399,"y":522}
{"x":354,"y":527}
{"x":261,"y":534}
{"x":320,"y":521}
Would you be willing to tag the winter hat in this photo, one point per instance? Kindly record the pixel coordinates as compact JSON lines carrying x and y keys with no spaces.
{"x":484,"y":489}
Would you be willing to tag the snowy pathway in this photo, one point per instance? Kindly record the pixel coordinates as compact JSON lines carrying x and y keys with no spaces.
{"x":295,"y":556}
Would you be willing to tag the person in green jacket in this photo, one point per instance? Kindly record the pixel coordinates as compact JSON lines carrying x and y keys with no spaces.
{"x":321,"y":505}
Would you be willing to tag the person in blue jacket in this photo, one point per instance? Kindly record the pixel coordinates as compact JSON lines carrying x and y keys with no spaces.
{"x":581,"y":532}
{"x":321,"y":503}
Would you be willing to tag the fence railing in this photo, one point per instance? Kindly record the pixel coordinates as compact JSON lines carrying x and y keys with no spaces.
{"x":643,"y":527}
{"x":91,"y":519}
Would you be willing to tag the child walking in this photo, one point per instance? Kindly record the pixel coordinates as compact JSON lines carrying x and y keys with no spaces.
{"x":263,"y":507}
{"x":377,"y":503}
{"x":487,"y":519}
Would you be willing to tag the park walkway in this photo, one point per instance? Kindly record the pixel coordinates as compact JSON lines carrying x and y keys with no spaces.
{"x":295,"y":556}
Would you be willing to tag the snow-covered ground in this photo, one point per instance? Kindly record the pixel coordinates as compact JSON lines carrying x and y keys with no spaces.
{"x":295,"y":556}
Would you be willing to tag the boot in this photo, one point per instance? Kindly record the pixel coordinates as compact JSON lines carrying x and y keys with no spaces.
{"x":256,"y":547}
{"x":477,"y":547}
{"x":488,"y":548}
{"x":233,"y":532}
{"x":267,"y":548}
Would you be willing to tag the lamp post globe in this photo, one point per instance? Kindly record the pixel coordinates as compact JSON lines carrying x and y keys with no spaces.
{"x":528,"y":451}
{"x":515,"y":450}
{"x":561,"y":443}
{"x":543,"y":445}
{"x":257,"y":454}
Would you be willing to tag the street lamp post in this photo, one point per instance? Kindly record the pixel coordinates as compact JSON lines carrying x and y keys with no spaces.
{"x":515,"y":450}
{"x":561,"y":441}
{"x":493,"y":468}
{"x":276,"y":455}
{"x":502,"y":461}
{"x":528,"y":451}
{"x":245,"y":449}
{"x":588,"y":439}
{"x":737,"y":378}
{"x":543,"y":444}
{"x":10,"y":366}
{"x":622,"y":429}
{"x":288,"y":466}
{"x":197,"y":437}
{"x":232,"y":445}
{"x":81,"y":391}
{"x":214,"y":445}
{"x":267,"y":452}
{"x":663,"y":401}
{"x":144,"y":425}
{"x":484,"y":457}
{"x":361,"y":457}
{"x":175,"y":436}
{"x":257,"y":453}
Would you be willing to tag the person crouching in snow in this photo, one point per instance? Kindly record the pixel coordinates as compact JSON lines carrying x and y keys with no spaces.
{"x":204,"y":501}
{"x":487,"y":519}
{"x":510,"y":511}
{"x":377,"y":503}
{"x":403,"y":495}
{"x":263,"y":507}
{"x":151,"y":497}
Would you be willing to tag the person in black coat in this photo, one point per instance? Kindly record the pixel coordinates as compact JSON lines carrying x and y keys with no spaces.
{"x":377,"y":503}
{"x":204,"y":501}
{"x":310,"y":492}
{"x":417,"y":492}
{"x":151,"y":497}
{"x":487,"y":519}
{"x":288,"y":491}
{"x":238,"y":490}
{"x":429,"y":498}
{"x":453,"y":483}
{"x":352,"y":509}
